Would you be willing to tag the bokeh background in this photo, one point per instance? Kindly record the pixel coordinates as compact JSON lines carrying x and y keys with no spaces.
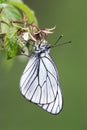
{"x":70,"y":18}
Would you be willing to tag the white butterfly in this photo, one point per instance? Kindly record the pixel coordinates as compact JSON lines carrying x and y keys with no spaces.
{"x":40,"y":82}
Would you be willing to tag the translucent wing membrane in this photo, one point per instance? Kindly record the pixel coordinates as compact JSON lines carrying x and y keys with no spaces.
{"x":39,"y":83}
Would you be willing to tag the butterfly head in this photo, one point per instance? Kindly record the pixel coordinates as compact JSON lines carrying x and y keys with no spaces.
{"x":42,"y":47}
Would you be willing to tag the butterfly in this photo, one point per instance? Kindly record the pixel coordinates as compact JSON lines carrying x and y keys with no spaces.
{"x":40,"y":81}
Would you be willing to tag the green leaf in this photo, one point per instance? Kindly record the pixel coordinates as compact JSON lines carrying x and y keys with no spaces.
{"x":29,"y":12}
{"x":3,"y":1}
{"x":14,"y":0}
{"x":14,"y":43}
{"x":9,"y":13}
{"x":11,"y":43}
{"x":11,"y":31}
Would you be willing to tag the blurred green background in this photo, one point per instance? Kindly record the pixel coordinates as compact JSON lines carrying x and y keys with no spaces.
{"x":70,"y":18}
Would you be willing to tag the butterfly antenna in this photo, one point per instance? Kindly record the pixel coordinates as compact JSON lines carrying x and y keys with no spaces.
{"x":63,"y":43}
{"x":57,"y":41}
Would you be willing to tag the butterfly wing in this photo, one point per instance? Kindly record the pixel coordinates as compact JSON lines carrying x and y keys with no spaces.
{"x":29,"y":81}
{"x":40,"y":84}
{"x":55,"y":106}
